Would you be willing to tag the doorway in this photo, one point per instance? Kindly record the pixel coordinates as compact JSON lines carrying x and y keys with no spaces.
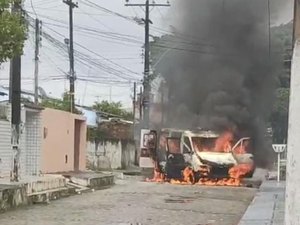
{"x":77,"y":137}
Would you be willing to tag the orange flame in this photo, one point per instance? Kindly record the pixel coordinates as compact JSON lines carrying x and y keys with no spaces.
{"x":239,"y":171}
{"x":188,"y":175}
{"x":158,"y":177}
{"x":224,"y":142}
{"x":220,"y":182}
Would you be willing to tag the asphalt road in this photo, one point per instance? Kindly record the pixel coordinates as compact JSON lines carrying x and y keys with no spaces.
{"x":134,"y":202}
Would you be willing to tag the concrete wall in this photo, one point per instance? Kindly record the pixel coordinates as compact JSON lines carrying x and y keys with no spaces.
{"x":33,"y":141}
{"x":6,"y":153}
{"x":292,"y":207}
{"x":58,"y":149}
{"x":111,"y":154}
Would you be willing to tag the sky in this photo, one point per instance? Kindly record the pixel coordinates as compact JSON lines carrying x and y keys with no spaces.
{"x":109,"y":46}
{"x":111,"y":53}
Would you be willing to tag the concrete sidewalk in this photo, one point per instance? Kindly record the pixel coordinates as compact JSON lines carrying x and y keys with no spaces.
{"x":31,"y":189}
{"x":267,"y":207}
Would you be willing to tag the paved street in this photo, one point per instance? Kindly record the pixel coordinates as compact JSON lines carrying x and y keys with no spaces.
{"x":134,"y":202}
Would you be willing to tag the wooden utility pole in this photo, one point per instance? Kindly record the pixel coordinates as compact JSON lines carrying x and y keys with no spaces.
{"x":72,"y":78}
{"x":146,"y":81}
{"x":15,"y":100}
{"x":36,"y":60}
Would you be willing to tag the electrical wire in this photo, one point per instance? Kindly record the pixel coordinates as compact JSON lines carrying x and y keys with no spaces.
{"x":94,"y":5}
{"x":31,"y":2}
{"x":97,"y":54}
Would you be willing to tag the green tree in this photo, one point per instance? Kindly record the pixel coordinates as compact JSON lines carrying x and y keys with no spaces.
{"x":114,"y":108}
{"x":282,"y":45}
{"x":60,"y":104}
{"x":279,"y":117}
{"x":12,"y":31}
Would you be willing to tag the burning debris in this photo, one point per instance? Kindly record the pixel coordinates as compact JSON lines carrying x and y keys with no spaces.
{"x":199,"y":157}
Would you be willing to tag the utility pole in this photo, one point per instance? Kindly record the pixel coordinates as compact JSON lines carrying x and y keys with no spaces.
{"x":72,"y":78}
{"x":146,"y":81}
{"x":134,"y":124}
{"x":15,"y":100}
{"x":162,"y":104}
{"x":134,"y":103}
{"x":141,"y":104}
{"x":36,"y":60}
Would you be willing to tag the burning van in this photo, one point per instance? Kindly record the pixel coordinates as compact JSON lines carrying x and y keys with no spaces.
{"x":197,"y":156}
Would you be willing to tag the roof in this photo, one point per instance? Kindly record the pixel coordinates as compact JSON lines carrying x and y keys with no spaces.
{"x":196,"y":133}
{"x":203,"y":134}
{"x":91,"y":116}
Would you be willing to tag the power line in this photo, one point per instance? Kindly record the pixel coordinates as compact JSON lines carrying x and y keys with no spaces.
{"x":98,"y":21}
{"x":110,"y":37}
{"x":94,"y":5}
{"x":31,"y":2}
{"x":82,"y":58}
{"x":61,"y":46}
{"x":97,"y":54}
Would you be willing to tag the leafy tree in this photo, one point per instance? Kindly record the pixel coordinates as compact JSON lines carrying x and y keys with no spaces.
{"x":60,"y":104}
{"x":282,"y":40}
{"x":279,"y":117}
{"x":12,"y":31}
{"x":114,"y":108}
{"x":282,"y":46}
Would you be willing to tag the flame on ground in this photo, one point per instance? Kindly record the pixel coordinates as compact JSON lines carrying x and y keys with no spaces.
{"x":158,"y":177}
{"x":239,"y":171}
{"x":220,"y":182}
{"x":189,"y":179}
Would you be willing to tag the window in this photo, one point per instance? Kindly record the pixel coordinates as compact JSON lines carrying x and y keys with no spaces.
{"x":186,"y":145}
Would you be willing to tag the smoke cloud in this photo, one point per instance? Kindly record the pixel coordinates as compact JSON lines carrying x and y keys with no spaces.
{"x":219,"y":72}
{"x":282,"y":11}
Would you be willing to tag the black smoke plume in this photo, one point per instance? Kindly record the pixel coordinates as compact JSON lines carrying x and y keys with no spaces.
{"x":219,"y":71}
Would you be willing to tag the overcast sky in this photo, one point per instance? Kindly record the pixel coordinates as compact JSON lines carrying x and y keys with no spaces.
{"x":113,"y":43}
{"x":109,"y":47}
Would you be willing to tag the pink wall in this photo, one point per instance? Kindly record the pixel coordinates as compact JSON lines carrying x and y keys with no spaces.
{"x":58,"y":146}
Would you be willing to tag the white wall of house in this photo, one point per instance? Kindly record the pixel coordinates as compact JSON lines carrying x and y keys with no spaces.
{"x":33,"y":132}
{"x":29,"y":145}
{"x":5,"y":146}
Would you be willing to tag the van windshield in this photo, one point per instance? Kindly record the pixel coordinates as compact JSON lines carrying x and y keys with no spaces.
{"x":201,"y":144}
